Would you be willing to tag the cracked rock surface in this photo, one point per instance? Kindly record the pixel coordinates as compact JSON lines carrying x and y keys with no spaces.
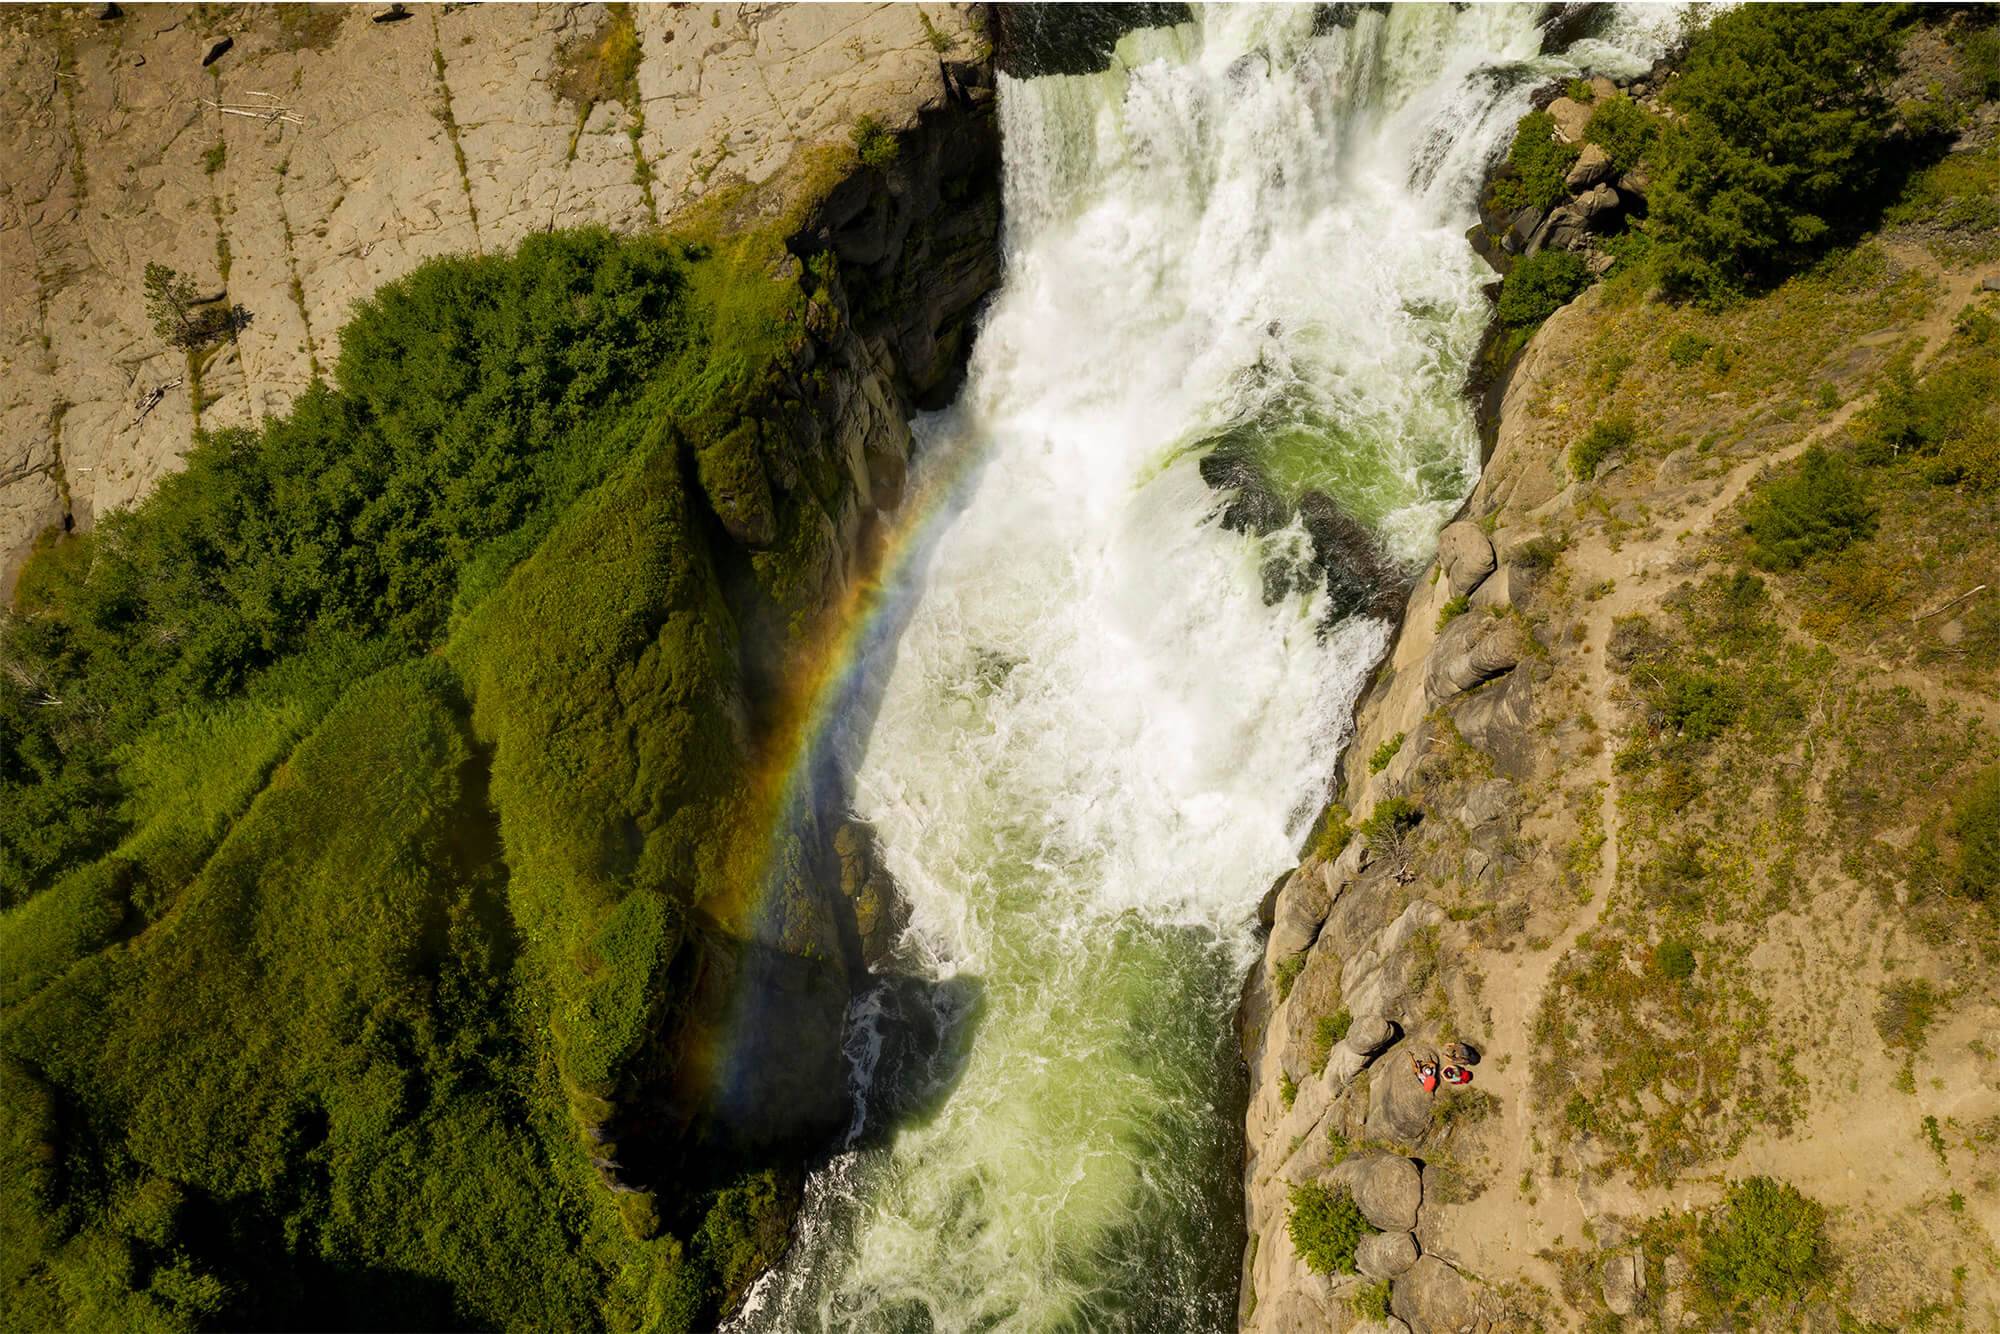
{"x":394,"y":143}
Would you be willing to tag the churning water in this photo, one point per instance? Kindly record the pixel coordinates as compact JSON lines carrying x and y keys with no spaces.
{"x":1097,"y":740}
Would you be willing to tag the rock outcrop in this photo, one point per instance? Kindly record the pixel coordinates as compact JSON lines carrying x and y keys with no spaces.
{"x":299,"y":159}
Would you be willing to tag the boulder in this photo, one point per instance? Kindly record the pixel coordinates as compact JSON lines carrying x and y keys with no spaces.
{"x":1434,"y":1298}
{"x":1361,"y":578}
{"x":1595,"y":202}
{"x":1398,"y":1107}
{"x":1634,"y":184}
{"x":1570,"y":117}
{"x":1490,"y":802}
{"x":1464,"y":556}
{"x":1387,"y":1187}
{"x":1386,"y":1254}
{"x":1990,"y":283}
{"x":1591,"y":166}
{"x":1623,"y":1282}
{"x":1369,"y":1035}
{"x":1296,"y":916}
{"x":1473,"y":649}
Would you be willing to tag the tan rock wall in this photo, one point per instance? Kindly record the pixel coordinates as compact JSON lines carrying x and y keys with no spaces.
{"x":442,"y":133}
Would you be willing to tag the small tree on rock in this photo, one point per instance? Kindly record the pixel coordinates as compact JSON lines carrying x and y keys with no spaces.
{"x":182,"y":316}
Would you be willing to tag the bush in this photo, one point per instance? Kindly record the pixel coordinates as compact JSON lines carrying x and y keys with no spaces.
{"x":1454,"y":607}
{"x":1673,"y":960}
{"x":1392,"y":818}
{"x":1385,"y":752}
{"x":1764,"y":1246}
{"x":1537,"y":162}
{"x":1816,"y":510}
{"x":876,"y":144}
{"x":1371,"y":1301}
{"x":1693,"y":705}
{"x":1623,"y":129}
{"x":1976,"y":822}
{"x":1325,"y":1226}
{"x":1951,"y":419}
{"x":1782,"y":129}
{"x":1332,"y":834}
{"x":1328,"y":1030}
{"x":1906,"y":1012}
{"x":1605,"y":438}
{"x":1538,"y":286}
{"x":1684,"y":349}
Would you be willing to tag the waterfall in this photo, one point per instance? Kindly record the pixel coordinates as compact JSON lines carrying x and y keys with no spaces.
{"x":1102,"y":729}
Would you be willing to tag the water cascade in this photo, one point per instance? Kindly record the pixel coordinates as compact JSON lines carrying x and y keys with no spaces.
{"x":1101,"y":727}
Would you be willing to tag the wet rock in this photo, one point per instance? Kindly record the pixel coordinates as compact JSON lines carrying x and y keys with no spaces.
{"x":880,"y":913}
{"x":1386,"y":1187}
{"x":1254,"y":505}
{"x":1386,"y":1254}
{"x":1473,"y":649}
{"x":1465,"y":556}
{"x":1360,"y":577}
{"x":1591,"y":166}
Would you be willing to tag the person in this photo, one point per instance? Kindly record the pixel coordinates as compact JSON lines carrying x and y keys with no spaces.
{"x":1426,"y":1072}
{"x":1457,"y":1075}
{"x":1460,"y":1053}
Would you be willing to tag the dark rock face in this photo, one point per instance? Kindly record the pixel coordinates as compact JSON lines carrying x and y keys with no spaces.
{"x":1032,"y":39}
{"x":1360,"y":577}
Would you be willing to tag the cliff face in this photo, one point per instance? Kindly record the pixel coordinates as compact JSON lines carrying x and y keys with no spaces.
{"x":1663,"y":825}
{"x":325,"y":152}
{"x":490,"y":879}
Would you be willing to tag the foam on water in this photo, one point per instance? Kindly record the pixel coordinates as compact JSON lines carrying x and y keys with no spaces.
{"x":1097,"y":742}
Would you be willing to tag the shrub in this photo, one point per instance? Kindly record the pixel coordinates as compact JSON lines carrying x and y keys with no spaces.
{"x":1392,"y":818}
{"x":1623,"y":129}
{"x":1603,"y":439}
{"x":1387,"y":750}
{"x":1976,"y":822}
{"x":1537,"y":162}
{"x":1454,"y":607}
{"x":182,"y":318}
{"x":875,"y":142}
{"x":1684,"y":349}
{"x":1781,"y":130}
{"x":1764,"y":1246}
{"x":1673,"y":960}
{"x":1286,"y":974}
{"x":1694,"y":705}
{"x":1332,"y":834}
{"x":1325,"y":1226}
{"x":1328,"y":1030}
{"x":1538,"y":286}
{"x":1951,"y":418}
{"x":1818,"y":509}
{"x":1371,"y":1301}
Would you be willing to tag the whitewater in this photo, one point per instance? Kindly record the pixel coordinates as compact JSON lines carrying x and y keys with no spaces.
{"x":1098,"y":735}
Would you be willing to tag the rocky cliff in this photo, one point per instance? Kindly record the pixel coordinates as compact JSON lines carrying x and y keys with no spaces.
{"x":1663,"y":822}
{"x":497,"y":938}
{"x":295,"y":159}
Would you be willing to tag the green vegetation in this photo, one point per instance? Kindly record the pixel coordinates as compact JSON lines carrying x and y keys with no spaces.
{"x":1332,"y":834}
{"x":1674,"y":960}
{"x":1686,"y":348}
{"x":1371,"y":1301}
{"x":1392,"y":818}
{"x":1328,"y":1030}
{"x":1975,"y":822}
{"x":1763,"y":1248}
{"x":1909,"y":1006}
{"x":1949,"y":421}
{"x":1536,"y":164}
{"x":443,"y":655}
{"x":217,"y":154}
{"x":1325,"y":1226}
{"x":1454,"y":607}
{"x":180,"y":315}
{"x":1607,"y":436}
{"x":1539,"y":285}
{"x":1287,"y":973}
{"x":1384,"y":753}
{"x":1819,"y":508}
{"x":1781,"y":132}
{"x":875,"y":143}
{"x":1623,"y":129}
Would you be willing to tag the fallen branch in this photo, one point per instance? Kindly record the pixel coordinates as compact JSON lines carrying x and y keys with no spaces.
{"x":270,"y":113}
{"x":1949,"y":605}
{"x":152,"y":399}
